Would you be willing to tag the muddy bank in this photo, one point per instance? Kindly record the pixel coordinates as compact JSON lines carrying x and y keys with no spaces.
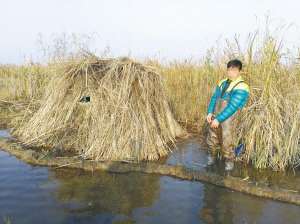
{"x":238,"y":184}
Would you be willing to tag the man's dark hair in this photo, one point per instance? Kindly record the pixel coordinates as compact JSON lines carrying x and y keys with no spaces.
{"x":235,"y":63}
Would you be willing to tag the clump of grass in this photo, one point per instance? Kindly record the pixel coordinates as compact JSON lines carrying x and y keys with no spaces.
{"x":128,"y":117}
{"x":270,"y":126}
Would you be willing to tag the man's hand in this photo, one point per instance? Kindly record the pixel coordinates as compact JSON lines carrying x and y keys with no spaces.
{"x":215,"y":123}
{"x":209,"y":118}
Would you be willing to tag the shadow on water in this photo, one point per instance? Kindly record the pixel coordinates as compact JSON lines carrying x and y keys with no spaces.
{"x":31,"y":194}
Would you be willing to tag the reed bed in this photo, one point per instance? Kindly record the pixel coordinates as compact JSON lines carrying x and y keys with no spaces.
{"x":269,"y":124}
{"x":20,"y":86}
{"x":127,"y":118}
{"x":23,"y":83}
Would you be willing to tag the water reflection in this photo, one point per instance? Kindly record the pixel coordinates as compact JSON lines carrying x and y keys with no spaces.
{"x":139,"y":198}
{"x":32,"y":194}
{"x":103,"y":192}
{"x":221,"y":205}
{"x":129,"y":198}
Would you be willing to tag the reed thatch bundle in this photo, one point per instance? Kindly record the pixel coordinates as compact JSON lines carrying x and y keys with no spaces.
{"x":127,"y":118}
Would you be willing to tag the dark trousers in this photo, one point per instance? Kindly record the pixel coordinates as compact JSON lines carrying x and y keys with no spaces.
{"x":223,"y":137}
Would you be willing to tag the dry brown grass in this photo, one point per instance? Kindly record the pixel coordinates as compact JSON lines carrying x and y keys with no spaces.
{"x":23,"y":83}
{"x":269,"y":125}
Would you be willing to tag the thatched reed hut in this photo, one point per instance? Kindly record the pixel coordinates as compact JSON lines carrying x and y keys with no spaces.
{"x":104,"y":109}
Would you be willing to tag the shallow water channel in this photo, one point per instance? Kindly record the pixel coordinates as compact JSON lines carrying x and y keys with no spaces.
{"x":33,"y":194}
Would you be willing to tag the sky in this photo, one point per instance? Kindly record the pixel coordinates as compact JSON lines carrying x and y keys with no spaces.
{"x":165,"y":29}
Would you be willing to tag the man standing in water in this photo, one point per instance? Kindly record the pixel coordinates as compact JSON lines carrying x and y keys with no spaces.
{"x":230,"y":96}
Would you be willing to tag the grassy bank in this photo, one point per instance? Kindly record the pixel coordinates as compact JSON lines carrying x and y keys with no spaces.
{"x":269,"y":125}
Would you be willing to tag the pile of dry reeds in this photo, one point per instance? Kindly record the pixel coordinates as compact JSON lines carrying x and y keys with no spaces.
{"x":127,"y":118}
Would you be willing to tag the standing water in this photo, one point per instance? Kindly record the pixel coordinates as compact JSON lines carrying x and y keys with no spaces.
{"x":33,"y":194}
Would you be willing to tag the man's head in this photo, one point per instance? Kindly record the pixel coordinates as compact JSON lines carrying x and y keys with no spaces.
{"x":234,"y":68}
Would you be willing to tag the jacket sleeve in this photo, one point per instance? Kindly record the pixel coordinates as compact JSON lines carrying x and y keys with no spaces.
{"x":213,"y":100}
{"x":237,"y":101}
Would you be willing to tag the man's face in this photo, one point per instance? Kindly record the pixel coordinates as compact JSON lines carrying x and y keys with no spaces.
{"x":233,"y":72}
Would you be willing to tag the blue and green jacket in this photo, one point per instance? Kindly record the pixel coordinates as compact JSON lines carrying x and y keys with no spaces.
{"x":236,"y":95}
